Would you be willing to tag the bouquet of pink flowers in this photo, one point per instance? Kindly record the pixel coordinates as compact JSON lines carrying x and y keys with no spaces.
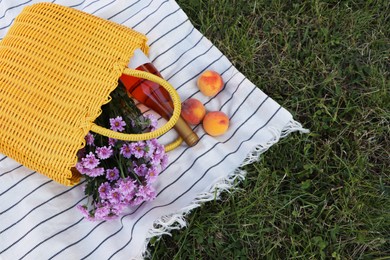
{"x":118,"y":173}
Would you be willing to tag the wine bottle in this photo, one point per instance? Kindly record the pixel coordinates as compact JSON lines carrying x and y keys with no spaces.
{"x":154,"y":96}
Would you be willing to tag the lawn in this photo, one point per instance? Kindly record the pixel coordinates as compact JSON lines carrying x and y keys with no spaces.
{"x":320,"y":195}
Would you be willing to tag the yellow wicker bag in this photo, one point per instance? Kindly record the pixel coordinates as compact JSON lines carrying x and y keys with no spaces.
{"x":58,"y":66}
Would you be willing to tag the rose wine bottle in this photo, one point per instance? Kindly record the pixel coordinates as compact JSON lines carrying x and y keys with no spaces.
{"x":154,"y":96}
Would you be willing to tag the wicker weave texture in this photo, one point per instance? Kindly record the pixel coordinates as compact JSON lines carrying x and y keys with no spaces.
{"x":58,"y":66}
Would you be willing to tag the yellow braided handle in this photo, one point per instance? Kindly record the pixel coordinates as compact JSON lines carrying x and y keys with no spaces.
{"x":158,"y":132}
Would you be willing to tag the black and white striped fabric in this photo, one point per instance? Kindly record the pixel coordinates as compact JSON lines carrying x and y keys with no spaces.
{"x":38,"y":219}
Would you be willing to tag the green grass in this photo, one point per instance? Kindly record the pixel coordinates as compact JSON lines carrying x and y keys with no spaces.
{"x":321,"y":195}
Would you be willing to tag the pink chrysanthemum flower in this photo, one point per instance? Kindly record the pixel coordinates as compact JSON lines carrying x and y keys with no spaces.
{"x":83,"y":209}
{"x":146,"y":192}
{"x":117,"y":208}
{"x":102,"y":212}
{"x":80,"y":167}
{"x":104,"y":190}
{"x":112,"y":174}
{"x":117,"y":124}
{"x":111,"y":141}
{"x":140,"y":170}
{"x":137,"y":201}
{"x":104,"y":152}
{"x":138,"y":149}
{"x":89,"y":139}
{"x":158,"y":155}
{"x":99,"y":171}
{"x":164,"y":162}
{"x":90,"y":161}
{"x":150,"y":147}
{"x":126,"y":186}
{"x":114,"y":196}
{"x":152,"y":174}
{"x":126,"y":150}
{"x":153,"y":121}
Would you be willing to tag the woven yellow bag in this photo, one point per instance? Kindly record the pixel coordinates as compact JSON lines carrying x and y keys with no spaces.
{"x":58,"y":66}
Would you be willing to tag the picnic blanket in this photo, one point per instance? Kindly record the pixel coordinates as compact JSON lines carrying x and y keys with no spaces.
{"x":38,"y":217}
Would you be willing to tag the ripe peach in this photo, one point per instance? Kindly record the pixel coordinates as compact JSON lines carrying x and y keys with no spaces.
{"x":215,"y":123}
{"x":192,"y":111}
{"x":210,"y":83}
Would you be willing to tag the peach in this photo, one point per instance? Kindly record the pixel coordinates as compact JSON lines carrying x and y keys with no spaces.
{"x":215,"y":123}
{"x":192,"y":111}
{"x":210,"y":83}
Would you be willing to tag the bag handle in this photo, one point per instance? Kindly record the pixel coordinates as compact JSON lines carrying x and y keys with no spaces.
{"x":158,"y":132}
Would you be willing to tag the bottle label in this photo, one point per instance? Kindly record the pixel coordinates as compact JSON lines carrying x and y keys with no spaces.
{"x":139,"y":58}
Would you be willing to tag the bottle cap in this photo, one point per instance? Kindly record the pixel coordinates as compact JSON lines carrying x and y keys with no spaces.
{"x":189,"y":137}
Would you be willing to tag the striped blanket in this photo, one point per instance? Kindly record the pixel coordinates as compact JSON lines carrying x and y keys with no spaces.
{"x":38,"y":218}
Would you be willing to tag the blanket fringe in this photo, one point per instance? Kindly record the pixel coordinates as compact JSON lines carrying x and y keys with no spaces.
{"x":165,"y":224}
